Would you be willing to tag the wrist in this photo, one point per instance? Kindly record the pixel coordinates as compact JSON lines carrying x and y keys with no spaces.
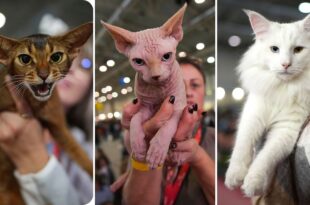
{"x":141,"y":166}
{"x":31,"y":162}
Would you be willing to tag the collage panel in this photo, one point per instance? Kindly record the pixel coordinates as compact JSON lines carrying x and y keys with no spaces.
{"x":178,"y":102}
{"x":141,"y":93}
{"x":46,"y":103}
{"x":263,"y":64}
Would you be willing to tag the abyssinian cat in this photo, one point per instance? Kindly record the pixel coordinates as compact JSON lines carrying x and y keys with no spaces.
{"x":35,"y":63}
{"x":276,"y":73}
{"x":152,"y":53}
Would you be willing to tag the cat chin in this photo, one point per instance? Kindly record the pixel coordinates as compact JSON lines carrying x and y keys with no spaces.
{"x":286,"y":77}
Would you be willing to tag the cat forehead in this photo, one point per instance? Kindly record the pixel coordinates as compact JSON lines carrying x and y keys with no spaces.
{"x":152,"y":41}
{"x":287,"y":32}
{"x":148,"y":36}
{"x":38,"y":41}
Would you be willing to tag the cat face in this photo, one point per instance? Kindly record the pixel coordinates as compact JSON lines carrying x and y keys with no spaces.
{"x":36,"y":62}
{"x":153,"y":58}
{"x":285,"y":48}
{"x":151,"y":52}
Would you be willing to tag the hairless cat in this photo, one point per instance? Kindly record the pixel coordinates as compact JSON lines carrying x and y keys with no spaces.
{"x":151,"y":53}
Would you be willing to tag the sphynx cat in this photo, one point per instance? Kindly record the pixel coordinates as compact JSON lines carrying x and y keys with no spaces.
{"x":151,"y":53}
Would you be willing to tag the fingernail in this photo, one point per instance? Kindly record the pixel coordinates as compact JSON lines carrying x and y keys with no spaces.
{"x":190,"y":110}
{"x":195,"y":107}
{"x":173,"y":145}
{"x":134,"y":101}
{"x":172,"y":99}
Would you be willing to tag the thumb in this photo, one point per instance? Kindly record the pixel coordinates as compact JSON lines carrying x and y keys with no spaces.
{"x":21,"y":105}
{"x":186,"y":146}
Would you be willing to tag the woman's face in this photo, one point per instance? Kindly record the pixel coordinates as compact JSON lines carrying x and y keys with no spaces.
{"x":75,"y":85}
{"x":195,"y":87}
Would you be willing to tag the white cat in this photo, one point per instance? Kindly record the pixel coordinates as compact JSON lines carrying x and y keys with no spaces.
{"x":276,"y":73}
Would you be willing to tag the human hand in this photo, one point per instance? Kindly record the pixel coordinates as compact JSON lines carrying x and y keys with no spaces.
{"x":188,"y":120}
{"x":21,"y":136}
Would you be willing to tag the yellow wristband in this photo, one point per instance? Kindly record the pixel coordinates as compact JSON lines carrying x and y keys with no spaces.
{"x":141,"y":166}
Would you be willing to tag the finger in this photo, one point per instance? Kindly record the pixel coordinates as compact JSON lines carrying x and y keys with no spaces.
{"x":164,"y":113}
{"x":21,"y":105}
{"x":6,"y":132}
{"x":119,"y":182}
{"x":11,"y":123}
{"x":186,"y":124}
{"x":186,"y":146}
{"x":129,"y":110}
{"x":127,"y":141}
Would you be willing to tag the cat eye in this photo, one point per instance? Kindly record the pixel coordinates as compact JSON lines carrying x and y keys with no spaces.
{"x":25,"y":59}
{"x":56,"y":57}
{"x":138,"y":61}
{"x":274,"y":49}
{"x":166,"y":56}
{"x":298,"y":49}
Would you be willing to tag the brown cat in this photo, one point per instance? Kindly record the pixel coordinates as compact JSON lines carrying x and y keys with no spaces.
{"x":35,"y":63}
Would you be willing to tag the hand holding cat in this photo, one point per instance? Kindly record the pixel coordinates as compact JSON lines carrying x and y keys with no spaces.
{"x":185,"y":148}
{"x":21,"y":138}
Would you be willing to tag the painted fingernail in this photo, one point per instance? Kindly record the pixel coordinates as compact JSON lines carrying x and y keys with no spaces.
{"x":190,"y":110}
{"x":195,"y":107}
{"x":134,"y":101}
{"x":172,"y":99}
{"x":173,"y":145}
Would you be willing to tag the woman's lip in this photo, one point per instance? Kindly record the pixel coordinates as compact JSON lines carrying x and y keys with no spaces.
{"x":64,"y":83}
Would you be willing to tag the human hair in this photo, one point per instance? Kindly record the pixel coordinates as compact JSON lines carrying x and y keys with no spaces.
{"x":195,"y":62}
{"x":81,"y":114}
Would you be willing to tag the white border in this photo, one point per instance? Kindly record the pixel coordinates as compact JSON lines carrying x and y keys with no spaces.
{"x":92,"y":3}
{"x":215,"y":104}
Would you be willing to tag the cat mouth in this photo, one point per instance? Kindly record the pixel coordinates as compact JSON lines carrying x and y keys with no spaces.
{"x":42,"y":90}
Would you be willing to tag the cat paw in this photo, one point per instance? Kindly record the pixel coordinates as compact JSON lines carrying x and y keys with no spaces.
{"x":138,"y":148}
{"x":234,"y":176}
{"x":157,"y":153}
{"x":254,"y":184}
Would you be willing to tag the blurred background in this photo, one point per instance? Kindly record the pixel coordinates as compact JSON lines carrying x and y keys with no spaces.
{"x":21,"y":18}
{"x":234,"y":37}
{"x":115,"y":77}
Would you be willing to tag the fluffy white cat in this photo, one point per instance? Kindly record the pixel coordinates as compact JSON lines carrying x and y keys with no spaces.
{"x":276,"y":73}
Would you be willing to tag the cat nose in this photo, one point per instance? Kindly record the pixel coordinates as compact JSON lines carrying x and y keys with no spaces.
{"x":43,"y":75}
{"x":286,"y":65}
{"x":156,"y":77}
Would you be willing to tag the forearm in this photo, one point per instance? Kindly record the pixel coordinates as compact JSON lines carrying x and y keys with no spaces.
{"x":204,"y":169}
{"x":143,"y":187}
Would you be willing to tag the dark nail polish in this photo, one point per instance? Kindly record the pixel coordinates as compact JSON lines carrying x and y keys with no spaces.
{"x":134,"y":101}
{"x":172,"y":99}
{"x":173,"y":145}
{"x":195,"y":107}
{"x":190,"y":110}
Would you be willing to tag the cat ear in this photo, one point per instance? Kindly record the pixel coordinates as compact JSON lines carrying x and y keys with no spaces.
{"x":76,"y":37}
{"x":6,"y":44}
{"x":259,"y":23}
{"x":123,"y":38}
{"x":307,"y":23}
{"x":173,"y":27}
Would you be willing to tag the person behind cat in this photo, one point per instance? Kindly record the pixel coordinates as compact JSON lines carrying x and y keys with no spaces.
{"x":196,"y":186}
{"x":41,"y":177}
